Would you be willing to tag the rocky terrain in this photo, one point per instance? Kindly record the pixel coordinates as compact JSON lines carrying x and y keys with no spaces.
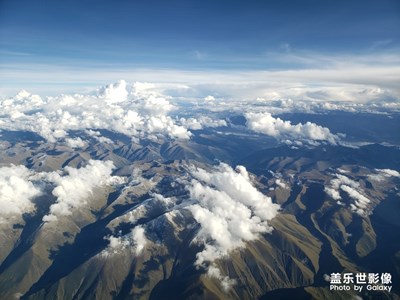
{"x":136,"y":230}
{"x":128,"y":194}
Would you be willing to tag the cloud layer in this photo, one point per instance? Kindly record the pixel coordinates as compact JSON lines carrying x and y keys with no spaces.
{"x":138,"y":113}
{"x":160,"y":111}
{"x":303,"y":75}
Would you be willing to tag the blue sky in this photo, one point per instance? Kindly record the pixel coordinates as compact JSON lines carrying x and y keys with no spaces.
{"x":92,"y":36}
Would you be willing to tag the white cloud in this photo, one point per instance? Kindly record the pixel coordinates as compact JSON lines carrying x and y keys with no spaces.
{"x":166,"y":124}
{"x":143,"y":110}
{"x":201,"y":122}
{"x":74,"y":188}
{"x":157,"y":106}
{"x":363,"y":77}
{"x":334,"y":194}
{"x":116,"y":245}
{"x":19,"y":185}
{"x":114,"y":93}
{"x":281,"y":184}
{"x":23,"y":101}
{"x":351,"y":187}
{"x":209,"y":98}
{"x":75,"y":143}
{"x":383,"y":174}
{"x":267,"y":124}
{"x":389,"y":172}
{"x":226,"y":282}
{"x":97,"y":135}
{"x":342,"y":179}
{"x":361,"y":202}
{"x":16,"y":192}
{"x":135,"y":242}
{"x":139,"y":239}
{"x":163,"y":200}
{"x":135,"y":110}
{"x":229,"y":209}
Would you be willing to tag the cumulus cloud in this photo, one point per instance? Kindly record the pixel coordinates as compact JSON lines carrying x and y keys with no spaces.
{"x":229,"y":209}
{"x":333,"y":193}
{"x":135,"y":241}
{"x":166,"y":123}
{"x":209,"y":98}
{"x":22,"y":102}
{"x":226,"y":282}
{"x":16,"y":192}
{"x":284,"y":130}
{"x":389,"y":172}
{"x":19,"y":185}
{"x":201,"y":122}
{"x":351,"y":187}
{"x":146,"y":110}
{"x":165,"y":201}
{"x":382,"y":174}
{"x":97,"y":136}
{"x":73,"y":189}
{"x":137,"y":111}
{"x":114,"y":93}
{"x":361,"y":202}
{"x":139,"y":239}
{"x":342,"y":179}
{"x":75,"y":143}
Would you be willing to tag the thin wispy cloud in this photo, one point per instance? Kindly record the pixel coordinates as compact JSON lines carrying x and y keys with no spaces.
{"x":305,"y":76}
